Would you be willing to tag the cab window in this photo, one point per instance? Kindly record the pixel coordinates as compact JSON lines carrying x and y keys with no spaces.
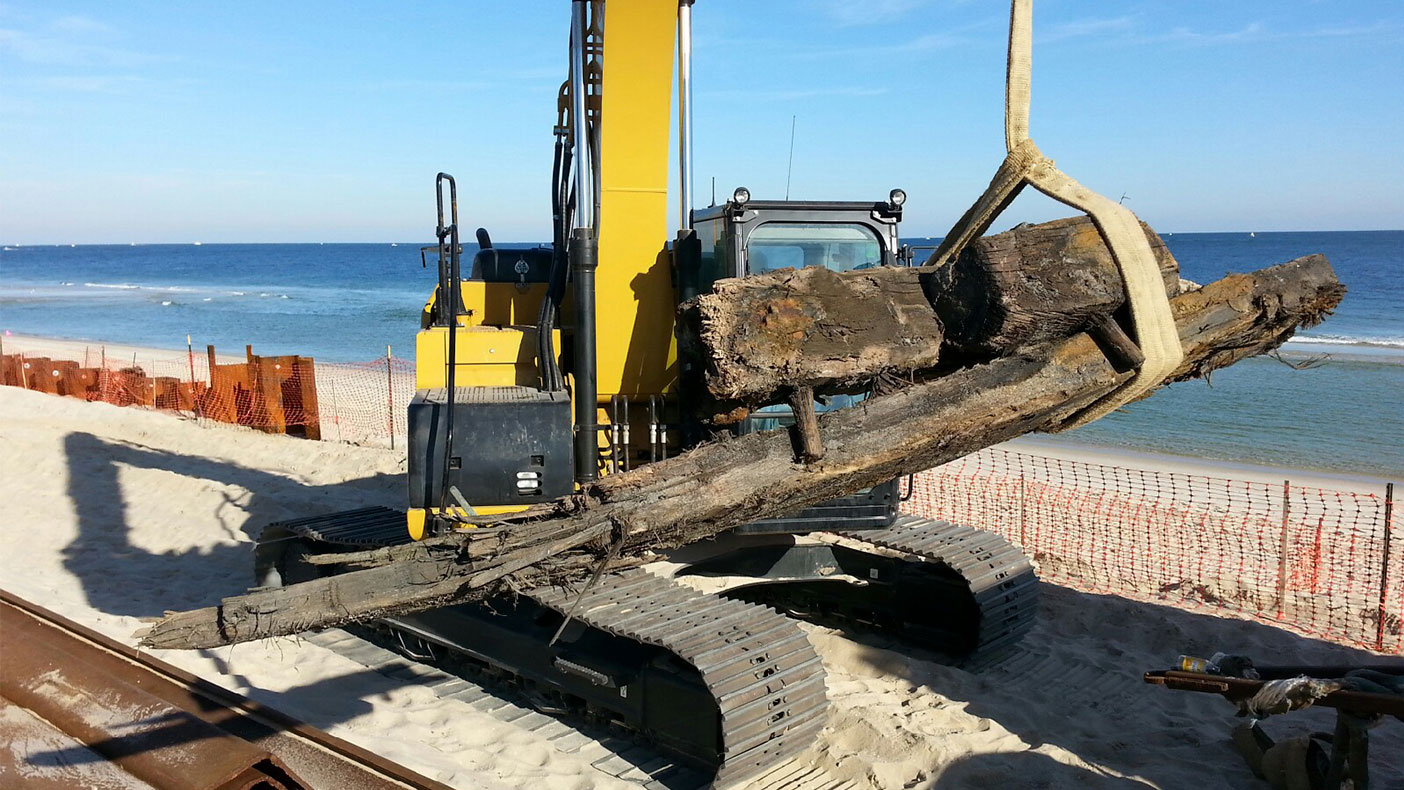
{"x":839,"y":247}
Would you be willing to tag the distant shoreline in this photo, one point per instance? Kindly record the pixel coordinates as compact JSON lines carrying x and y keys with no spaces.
{"x":192,"y":243}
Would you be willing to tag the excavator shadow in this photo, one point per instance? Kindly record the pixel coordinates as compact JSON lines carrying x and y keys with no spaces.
{"x":121,"y":577}
{"x":211,"y":556}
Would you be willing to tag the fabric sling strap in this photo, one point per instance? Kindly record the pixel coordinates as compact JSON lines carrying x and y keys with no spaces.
{"x":1152,"y":324}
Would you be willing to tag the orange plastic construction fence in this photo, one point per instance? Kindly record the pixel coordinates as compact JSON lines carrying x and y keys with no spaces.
{"x":1315,"y":560}
{"x":359,"y":403}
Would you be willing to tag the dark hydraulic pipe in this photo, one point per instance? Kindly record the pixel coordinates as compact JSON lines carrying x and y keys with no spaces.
{"x":448,"y":235}
{"x":584,"y":258}
{"x":551,"y":378}
{"x":584,"y":253}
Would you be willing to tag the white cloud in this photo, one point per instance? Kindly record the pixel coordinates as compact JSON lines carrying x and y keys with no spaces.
{"x":54,"y":51}
{"x":82,"y":25}
{"x":1257,"y":31}
{"x":848,"y":13}
{"x":425,"y":85}
{"x":113,"y":83}
{"x":930,"y":42}
{"x":1183,"y":35}
{"x":790,"y":95}
{"x":1088,"y":27}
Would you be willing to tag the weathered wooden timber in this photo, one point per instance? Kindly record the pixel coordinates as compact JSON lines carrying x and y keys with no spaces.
{"x":730,"y":482}
{"x":1033,"y":283}
{"x":755,"y":340}
{"x":758,"y":337}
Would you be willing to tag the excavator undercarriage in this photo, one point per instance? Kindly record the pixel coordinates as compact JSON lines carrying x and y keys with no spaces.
{"x":721,"y":681}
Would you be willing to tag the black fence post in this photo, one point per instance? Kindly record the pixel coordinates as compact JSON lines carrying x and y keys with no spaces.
{"x":1384,"y":566}
{"x":1284,"y":549}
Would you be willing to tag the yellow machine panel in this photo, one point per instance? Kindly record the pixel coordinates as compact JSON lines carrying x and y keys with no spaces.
{"x":633,"y":286}
{"x":488,"y":356}
{"x":497,"y":304}
{"x":416,"y":518}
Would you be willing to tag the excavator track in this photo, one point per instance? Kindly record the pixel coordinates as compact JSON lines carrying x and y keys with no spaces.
{"x":964,"y":592}
{"x":754,"y":668}
{"x":1000,"y":578}
{"x":641,"y":647}
{"x":760,"y":667}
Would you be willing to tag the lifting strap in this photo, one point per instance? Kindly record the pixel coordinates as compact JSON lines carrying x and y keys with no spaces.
{"x":1152,"y":323}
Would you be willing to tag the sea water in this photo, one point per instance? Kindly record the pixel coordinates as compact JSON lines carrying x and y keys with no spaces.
{"x":333,"y":302}
{"x":346,"y":302}
{"x":1341,"y":413}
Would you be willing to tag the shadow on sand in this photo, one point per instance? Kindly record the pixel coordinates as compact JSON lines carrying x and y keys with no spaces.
{"x":1075,"y":683}
{"x":121,"y":578}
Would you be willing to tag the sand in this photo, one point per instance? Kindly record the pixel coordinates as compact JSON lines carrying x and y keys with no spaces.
{"x":114,"y":515}
{"x":1068,"y":448}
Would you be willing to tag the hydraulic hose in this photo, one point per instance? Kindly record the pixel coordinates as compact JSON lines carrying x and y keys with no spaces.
{"x":449,"y":233}
{"x":551,"y":378}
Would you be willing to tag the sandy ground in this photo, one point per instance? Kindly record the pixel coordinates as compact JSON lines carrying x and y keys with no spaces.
{"x":1068,"y":448}
{"x":115,"y":515}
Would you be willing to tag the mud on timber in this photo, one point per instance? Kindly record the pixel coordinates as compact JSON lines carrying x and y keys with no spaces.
{"x":115,"y":717}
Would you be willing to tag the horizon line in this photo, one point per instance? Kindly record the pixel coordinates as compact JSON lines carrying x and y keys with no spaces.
{"x":129,"y":243}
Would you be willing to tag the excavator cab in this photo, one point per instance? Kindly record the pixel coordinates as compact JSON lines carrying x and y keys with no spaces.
{"x":747,"y":237}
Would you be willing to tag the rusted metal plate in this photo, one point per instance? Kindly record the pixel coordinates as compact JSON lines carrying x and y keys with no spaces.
{"x":156,"y":712}
{"x":1236,"y":689}
{"x":111,"y":714}
{"x":36,"y":755}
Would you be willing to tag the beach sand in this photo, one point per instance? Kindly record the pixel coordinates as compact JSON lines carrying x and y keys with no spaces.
{"x":116,"y":515}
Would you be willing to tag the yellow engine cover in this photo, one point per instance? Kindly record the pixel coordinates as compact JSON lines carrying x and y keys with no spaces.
{"x":487,"y":356}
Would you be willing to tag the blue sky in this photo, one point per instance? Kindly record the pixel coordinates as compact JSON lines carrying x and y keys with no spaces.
{"x":310,"y":121}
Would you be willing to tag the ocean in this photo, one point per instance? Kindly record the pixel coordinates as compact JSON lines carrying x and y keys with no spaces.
{"x":347,"y":302}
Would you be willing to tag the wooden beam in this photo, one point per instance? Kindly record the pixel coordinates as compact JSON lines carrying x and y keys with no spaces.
{"x":754,"y":339}
{"x":724,"y":484}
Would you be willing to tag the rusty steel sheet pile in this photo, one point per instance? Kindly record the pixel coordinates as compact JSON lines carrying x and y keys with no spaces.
{"x":80,"y":709}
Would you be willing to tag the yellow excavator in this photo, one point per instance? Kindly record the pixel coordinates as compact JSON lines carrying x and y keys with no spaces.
{"x":543,"y":368}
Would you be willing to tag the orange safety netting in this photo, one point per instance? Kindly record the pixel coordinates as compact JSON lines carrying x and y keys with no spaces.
{"x":360,"y":403}
{"x":1310,"y":559}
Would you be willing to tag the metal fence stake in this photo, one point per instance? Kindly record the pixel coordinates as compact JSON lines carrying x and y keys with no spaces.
{"x":1283,"y":549}
{"x":190,"y":356}
{"x":1384,"y":566}
{"x":390,"y":397}
{"x":1023,"y":515}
